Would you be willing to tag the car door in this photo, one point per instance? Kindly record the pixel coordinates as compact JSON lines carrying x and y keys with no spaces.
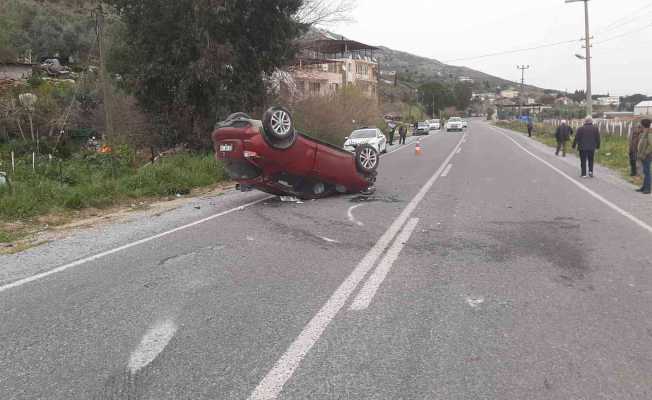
{"x":382,"y":140}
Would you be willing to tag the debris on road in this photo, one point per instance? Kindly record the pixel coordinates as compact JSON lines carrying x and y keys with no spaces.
{"x":290,"y":199}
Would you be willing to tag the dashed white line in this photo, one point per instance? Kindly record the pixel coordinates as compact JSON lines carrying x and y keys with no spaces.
{"x":459,"y":151}
{"x":368,"y":291}
{"x":351,"y":217}
{"x":151,"y":345}
{"x":272,"y":384}
{"x":328,"y":240}
{"x":82,"y":261}
{"x":595,"y":195}
{"x":447,"y":171}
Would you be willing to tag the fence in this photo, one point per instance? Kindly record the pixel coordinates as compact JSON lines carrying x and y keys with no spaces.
{"x":606,"y":126}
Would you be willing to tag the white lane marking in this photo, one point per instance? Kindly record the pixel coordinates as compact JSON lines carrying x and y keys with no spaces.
{"x":475,"y":302}
{"x":272,"y":384}
{"x":447,"y":170}
{"x":82,"y":261}
{"x":152,"y":344}
{"x":459,"y":151}
{"x":595,"y":195}
{"x":368,"y":291}
{"x":328,"y":240}
{"x":351,"y":217}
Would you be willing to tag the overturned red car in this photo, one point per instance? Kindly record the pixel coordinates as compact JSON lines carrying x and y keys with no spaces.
{"x":271,"y":156}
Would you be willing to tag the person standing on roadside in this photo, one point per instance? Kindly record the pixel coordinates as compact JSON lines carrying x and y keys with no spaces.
{"x":530,"y":127}
{"x":392,"y":129}
{"x":563,"y":134}
{"x":402,"y":132}
{"x":633,"y":149}
{"x":587,"y":142}
{"x":645,"y":155}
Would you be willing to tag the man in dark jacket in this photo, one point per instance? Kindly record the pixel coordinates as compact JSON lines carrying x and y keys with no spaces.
{"x":633,"y":149}
{"x":563,"y":134}
{"x":530,"y":127}
{"x":644,"y":154}
{"x":402,"y":132}
{"x":587,"y":141}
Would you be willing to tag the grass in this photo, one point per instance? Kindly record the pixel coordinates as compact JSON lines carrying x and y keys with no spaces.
{"x":614,"y":150}
{"x":98,"y":181}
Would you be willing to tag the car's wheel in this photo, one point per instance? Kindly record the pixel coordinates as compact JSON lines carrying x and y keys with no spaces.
{"x":278,"y":127}
{"x":366,"y":159}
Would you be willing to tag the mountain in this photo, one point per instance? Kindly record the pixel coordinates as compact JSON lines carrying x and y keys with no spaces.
{"x":415,"y":70}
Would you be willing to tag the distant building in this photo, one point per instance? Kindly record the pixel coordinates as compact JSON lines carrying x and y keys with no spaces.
{"x":608,"y":101}
{"x":563,"y":101}
{"x":15,"y":71}
{"x":644,"y":108}
{"x":326,"y":65}
{"x":465,"y":79}
{"x":509,"y":94}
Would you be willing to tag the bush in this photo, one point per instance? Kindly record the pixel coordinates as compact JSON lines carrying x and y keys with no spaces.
{"x":331,"y":118}
{"x":99,"y":180}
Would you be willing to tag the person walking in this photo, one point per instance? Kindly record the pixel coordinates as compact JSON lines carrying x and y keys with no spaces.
{"x":530,"y":127}
{"x":563,"y":134}
{"x":402,"y":132}
{"x":587,"y":142}
{"x":644,"y":154}
{"x":633,"y":149}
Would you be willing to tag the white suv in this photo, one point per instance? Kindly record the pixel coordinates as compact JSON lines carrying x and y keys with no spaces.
{"x":371,"y":136}
{"x":455,"y":124}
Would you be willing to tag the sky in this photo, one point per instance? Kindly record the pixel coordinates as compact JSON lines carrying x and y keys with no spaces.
{"x":448,"y":30}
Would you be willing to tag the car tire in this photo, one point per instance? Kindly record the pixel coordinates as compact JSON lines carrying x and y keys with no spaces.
{"x":366,"y":159}
{"x":278,"y":128}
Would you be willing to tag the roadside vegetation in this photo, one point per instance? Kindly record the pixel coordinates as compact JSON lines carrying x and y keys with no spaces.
{"x":614,"y":151}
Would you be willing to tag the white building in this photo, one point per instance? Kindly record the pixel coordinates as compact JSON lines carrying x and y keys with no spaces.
{"x":644,"y":108}
{"x":608,"y":101}
{"x":509,"y":94}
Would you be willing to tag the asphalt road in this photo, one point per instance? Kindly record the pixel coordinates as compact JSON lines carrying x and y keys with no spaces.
{"x":482,"y":269}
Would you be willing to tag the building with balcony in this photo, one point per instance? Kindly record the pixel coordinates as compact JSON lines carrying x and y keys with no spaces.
{"x":326,"y":65}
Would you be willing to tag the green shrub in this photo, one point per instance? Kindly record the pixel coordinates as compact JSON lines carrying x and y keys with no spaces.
{"x":97,"y":180}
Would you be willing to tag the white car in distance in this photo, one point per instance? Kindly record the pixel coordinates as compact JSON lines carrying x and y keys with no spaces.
{"x":435,"y":124}
{"x":455,"y":124}
{"x":371,"y":136}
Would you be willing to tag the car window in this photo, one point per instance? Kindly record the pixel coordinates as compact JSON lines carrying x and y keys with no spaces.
{"x":455,"y":119}
{"x":364,"y":134}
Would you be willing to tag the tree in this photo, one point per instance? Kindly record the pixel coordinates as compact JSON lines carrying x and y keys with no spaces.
{"x":435,"y":96}
{"x":189,"y":62}
{"x":463,"y":93}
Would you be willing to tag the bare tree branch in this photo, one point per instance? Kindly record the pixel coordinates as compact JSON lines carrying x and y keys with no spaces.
{"x":323,"y":12}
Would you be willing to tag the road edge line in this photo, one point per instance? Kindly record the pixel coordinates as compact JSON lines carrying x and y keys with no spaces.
{"x":85,"y":260}
{"x":595,"y":195}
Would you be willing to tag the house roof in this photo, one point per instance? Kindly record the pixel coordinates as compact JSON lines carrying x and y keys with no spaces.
{"x":647,"y":103}
{"x":337,"y":46}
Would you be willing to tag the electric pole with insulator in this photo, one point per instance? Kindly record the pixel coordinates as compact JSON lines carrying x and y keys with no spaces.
{"x":587,"y":45}
{"x":520,"y":104}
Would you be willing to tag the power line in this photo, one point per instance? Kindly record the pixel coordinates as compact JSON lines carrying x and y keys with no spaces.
{"x":624,"y":34}
{"x":626,"y":19}
{"x":543,"y":46}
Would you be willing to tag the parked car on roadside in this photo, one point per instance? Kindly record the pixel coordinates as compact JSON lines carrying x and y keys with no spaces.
{"x":454,"y":124}
{"x":271,"y":156}
{"x":371,"y":136}
{"x":434,"y":124}
{"x":422,"y":129}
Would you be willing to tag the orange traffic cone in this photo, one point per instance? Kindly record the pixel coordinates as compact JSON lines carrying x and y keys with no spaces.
{"x":417,"y":149}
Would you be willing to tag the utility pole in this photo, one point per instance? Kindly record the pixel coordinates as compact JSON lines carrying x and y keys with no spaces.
{"x":99,"y":29}
{"x":520,"y":103}
{"x":587,"y":45}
